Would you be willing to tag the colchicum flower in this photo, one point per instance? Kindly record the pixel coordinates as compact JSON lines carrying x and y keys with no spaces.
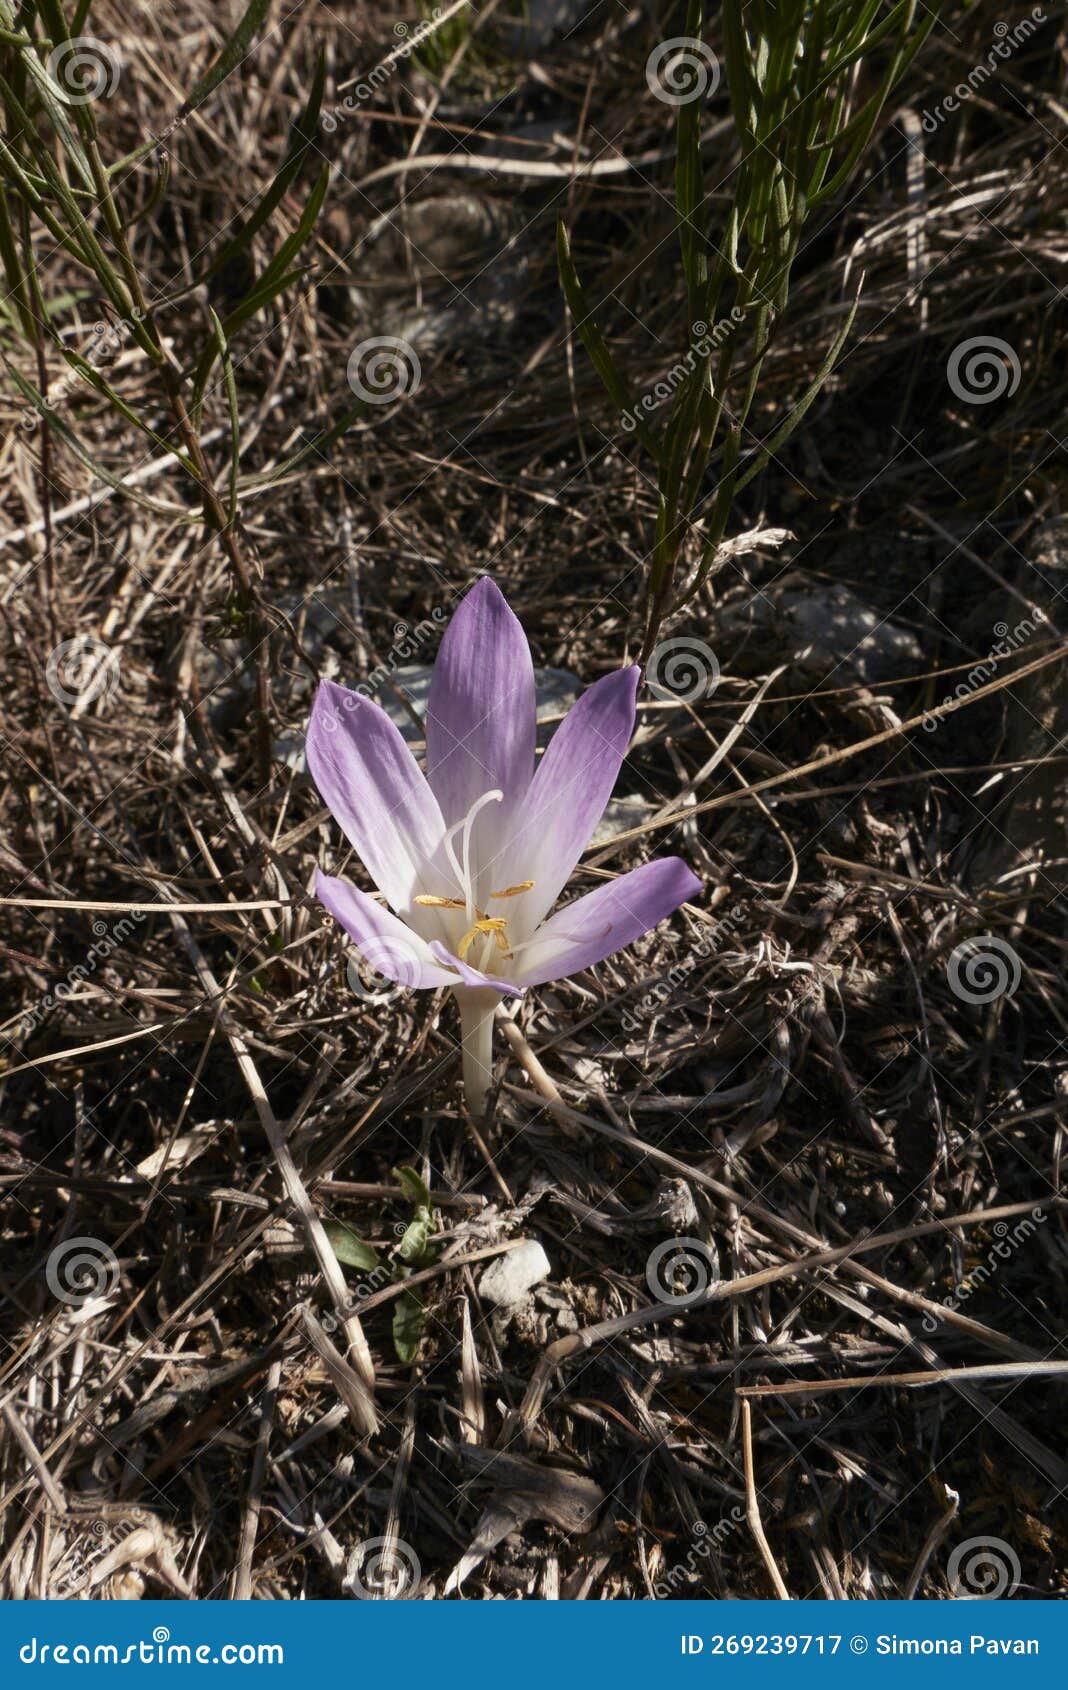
{"x":472,"y":856}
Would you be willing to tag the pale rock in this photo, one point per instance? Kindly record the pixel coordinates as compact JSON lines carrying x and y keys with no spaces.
{"x":508,"y":1279}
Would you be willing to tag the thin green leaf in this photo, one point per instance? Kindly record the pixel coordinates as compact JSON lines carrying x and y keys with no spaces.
{"x":594,"y":342}
{"x":308,"y":219}
{"x":231,"y":56}
{"x":87,"y":248}
{"x":739,"y":74}
{"x":312,"y":450}
{"x":157,"y":193}
{"x":863,"y":124}
{"x":804,"y":404}
{"x":690,"y":183}
{"x":53,"y":99}
{"x":234,"y":413}
{"x":17,"y":279}
{"x":301,"y":142}
{"x":61,"y":428}
{"x":91,"y":375}
{"x":261,"y":296}
{"x":274,"y":280}
{"x":863,"y":39}
{"x":58,"y":100}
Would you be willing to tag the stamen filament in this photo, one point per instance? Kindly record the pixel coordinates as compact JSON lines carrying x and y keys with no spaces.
{"x":491,"y":929}
{"x":462,"y":871}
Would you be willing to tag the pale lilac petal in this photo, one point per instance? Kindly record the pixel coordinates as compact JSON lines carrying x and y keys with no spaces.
{"x":385,"y":943}
{"x":376,"y":793}
{"x":473,"y":976}
{"x":480,"y":722}
{"x":568,"y":794}
{"x":591,"y":928}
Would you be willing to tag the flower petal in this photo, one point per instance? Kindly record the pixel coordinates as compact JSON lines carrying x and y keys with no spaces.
{"x":472,"y":976}
{"x":480,"y":722}
{"x":376,"y":793}
{"x":568,"y":794}
{"x":385,"y":943}
{"x":604,"y":921}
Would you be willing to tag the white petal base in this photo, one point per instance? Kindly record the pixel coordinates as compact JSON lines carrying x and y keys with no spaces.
{"x":476,"y":1036}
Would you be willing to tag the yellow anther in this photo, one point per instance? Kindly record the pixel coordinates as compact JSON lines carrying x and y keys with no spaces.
{"x":484,"y":926}
{"x":487,"y":925}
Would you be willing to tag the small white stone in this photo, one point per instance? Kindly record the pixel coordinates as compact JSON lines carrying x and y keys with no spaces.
{"x":508,"y":1279}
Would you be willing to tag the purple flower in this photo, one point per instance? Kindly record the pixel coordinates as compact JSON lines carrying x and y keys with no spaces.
{"x":472,"y":856}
